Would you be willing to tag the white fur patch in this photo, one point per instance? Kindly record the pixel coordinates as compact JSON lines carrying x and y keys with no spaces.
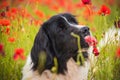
{"x":75,"y":72}
{"x":73,"y":25}
{"x":27,"y":71}
{"x":111,"y":36}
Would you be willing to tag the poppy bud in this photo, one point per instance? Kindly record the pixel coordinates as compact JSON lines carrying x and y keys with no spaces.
{"x":95,"y":51}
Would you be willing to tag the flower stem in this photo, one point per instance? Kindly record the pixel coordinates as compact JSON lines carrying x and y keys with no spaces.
{"x":80,"y":55}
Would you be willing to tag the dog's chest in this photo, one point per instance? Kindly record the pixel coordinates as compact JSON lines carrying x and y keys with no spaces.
{"x":75,"y":72}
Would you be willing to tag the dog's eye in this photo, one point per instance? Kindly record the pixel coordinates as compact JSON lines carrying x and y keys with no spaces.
{"x":63,"y":27}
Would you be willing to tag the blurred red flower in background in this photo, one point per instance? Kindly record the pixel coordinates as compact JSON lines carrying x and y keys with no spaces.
{"x":4,"y":4}
{"x":11,"y":39}
{"x":37,"y":22}
{"x":19,"y":53}
{"x":104,"y":10}
{"x":11,"y":13}
{"x":4,"y":22}
{"x":40,"y":14}
{"x":7,"y":30}
{"x":47,"y":2}
{"x":88,"y":13}
{"x":61,"y":3}
{"x":2,"y":14}
{"x":118,"y":52}
{"x":86,"y":1}
{"x":24,"y":13}
{"x":14,"y":10}
{"x":2,"y":49}
{"x":55,"y":7}
{"x":79,"y":5}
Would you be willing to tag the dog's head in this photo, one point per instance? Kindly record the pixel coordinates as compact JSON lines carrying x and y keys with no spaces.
{"x":55,"y":39}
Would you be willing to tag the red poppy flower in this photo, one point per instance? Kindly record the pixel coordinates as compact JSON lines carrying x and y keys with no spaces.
{"x":48,"y":2}
{"x":55,"y":7}
{"x":2,"y":14}
{"x":86,"y":1}
{"x":2,"y":49}
{"x":88,"y":13}
{"x":14,"y":10}
{"x":70,"y":7}
{"x":79,"y":5}
{"x":11,"y":39}
{"x":7,"y":30}
{"x":15,"y":57}
{"x":37,"y":22}
{"x":20,"y":0}
{"x":24,"y":13}
{"x":19,"y":53}
{"x":40,"y":14}
{"x":104,"y":10}
{"x":118,"y":52}
{"x":9,"y":14}
{"x":95,"y":51}
{"x":4,"y":22}
{"x":4,"y":4}
{"x":91,"y":40}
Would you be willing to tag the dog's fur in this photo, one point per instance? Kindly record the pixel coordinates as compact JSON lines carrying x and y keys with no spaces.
{"x":55,"y":39}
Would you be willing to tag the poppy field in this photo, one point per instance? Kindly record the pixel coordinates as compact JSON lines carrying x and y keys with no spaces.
{"x":20,"y":21}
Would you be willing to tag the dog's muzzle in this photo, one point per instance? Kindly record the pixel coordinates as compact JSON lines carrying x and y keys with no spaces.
{"x":90,"y":40}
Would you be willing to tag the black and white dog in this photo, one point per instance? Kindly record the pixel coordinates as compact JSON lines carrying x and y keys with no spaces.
{"x":54,"y":39}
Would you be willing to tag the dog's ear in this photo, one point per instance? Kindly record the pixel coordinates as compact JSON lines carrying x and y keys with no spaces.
{"x":42,"y":44}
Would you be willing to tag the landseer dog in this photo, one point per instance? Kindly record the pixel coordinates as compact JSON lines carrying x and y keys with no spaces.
{"x":54,"y":39}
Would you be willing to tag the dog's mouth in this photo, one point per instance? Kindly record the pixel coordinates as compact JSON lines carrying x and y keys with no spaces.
{"x":85,"y":52}
{"x":84,"y":46}
{"x":92,"y":42}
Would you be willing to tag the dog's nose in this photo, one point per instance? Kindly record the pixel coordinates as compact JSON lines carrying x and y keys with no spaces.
{"x":84,"y":30}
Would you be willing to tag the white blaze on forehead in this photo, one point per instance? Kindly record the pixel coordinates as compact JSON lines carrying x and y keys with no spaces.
{"x":73,"y":25}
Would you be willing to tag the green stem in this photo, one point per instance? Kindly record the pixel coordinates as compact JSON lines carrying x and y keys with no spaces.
{"x":78,"y":39}
{"x":55,"y":68}
{"x":80,"y":55}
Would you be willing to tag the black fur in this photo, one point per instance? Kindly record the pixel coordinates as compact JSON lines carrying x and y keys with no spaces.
{"x":54,"y":37}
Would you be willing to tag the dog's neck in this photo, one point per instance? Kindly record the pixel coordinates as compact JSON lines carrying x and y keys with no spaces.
{"x":74,"y":72}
